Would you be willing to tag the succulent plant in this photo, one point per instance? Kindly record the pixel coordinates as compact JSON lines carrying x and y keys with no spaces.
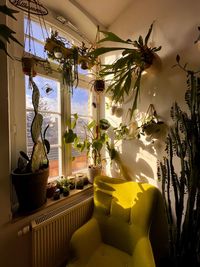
{"x":41,"y":147}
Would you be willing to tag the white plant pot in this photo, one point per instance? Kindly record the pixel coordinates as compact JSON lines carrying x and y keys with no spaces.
{"x":93,"y":171}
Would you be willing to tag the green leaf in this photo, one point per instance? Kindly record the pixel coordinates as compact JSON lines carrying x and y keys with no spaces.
{"x":97,"y":145}
{"x":140,"y":40}
{"x":148,"y":34}
{"x":69,"y":136}
{"x":102,"y":50}
{"x":104,"y":124}
{"x":91,"y":124}
{"x":137,"y":88}
{"x":132,"y":52}
{"x":74,"y":121}
{"x":24,"y":155}
{"x":110,"y":36}
{"x":45,"y":130}
{"x":47,"y":145}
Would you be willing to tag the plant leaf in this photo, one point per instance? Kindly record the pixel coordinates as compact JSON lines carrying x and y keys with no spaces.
{"x":148,"y":34}
{"x":110,"y":36}
{"x":69,"y":136}
{"x":91,"y":124}
{"x":24,"y":155}
{"x":102,"y":50}
{"x":47,"y":145}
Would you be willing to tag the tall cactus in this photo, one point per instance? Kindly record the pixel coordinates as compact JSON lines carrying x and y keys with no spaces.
{"x":183,"y":186}
{"x":41,"y":146}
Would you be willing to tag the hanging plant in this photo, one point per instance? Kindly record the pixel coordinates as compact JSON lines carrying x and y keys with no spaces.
{"x":135,"y":58}
{"x":85,"y":60}
{"x":152,"y":127}
{"x":67,"y":57}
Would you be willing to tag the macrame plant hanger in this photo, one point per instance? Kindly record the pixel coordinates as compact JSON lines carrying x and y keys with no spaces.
{"x":30,"y":58}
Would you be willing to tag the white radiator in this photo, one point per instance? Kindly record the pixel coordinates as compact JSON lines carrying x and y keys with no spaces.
{"x":51,"y":233}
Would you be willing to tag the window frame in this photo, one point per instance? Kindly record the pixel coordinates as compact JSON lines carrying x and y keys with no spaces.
{"x":65,"y":99}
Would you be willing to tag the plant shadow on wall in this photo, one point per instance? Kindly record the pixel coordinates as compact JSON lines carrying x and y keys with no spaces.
{"x":183,"y":186}
{"x":139,"y":147}
{"x":6,"y":34}
{"x":136,"y":57}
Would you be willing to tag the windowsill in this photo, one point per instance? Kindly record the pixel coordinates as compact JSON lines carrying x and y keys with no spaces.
{"x":75,"y":197}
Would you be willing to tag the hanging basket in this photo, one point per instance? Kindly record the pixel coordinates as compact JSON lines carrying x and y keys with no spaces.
{"x":152,"y":127}
{"x":28,"y":66}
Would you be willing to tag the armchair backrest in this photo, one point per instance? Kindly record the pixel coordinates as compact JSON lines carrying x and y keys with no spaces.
{"x":124,"y":211}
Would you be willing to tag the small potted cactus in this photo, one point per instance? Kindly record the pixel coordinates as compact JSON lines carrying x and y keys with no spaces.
{"x":31,"y":175}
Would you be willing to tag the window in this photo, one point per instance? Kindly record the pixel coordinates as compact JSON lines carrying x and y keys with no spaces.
{"x":55,"y":106}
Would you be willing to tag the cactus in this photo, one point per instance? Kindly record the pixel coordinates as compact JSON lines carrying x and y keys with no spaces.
{"x":41,"y":146}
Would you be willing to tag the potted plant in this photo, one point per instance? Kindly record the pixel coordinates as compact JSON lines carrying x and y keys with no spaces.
{"x":6,"y":34}
{"x":135,"y":58}
{"x":152,"y":127}
{"x":30,"y":176}
{"x":181,"y":182}
{"x":95,"y":137}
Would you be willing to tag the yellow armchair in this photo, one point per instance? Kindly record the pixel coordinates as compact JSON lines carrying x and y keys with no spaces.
{"x":127,"y":229}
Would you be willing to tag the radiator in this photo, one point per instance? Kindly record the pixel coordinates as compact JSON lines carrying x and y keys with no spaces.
{"x":51,"y":233}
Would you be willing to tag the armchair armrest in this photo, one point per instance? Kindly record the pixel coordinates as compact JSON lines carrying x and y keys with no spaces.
{"x":143,"y":254}
{"x":85,"y":240}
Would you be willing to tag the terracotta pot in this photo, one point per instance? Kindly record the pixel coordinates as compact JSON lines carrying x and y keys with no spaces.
{"x":31,"y":189}
{"x":28,"y":64}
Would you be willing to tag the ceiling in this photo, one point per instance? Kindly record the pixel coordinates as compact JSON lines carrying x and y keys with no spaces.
{"x":87,"y":14}
{"x":103,"y":11}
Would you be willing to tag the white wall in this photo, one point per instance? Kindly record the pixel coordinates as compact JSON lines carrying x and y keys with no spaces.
{"x":175,"y":29}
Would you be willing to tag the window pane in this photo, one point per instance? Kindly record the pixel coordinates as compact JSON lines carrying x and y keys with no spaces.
{"x":80,"y":161}
{"x":49,"y":94}
{"x":35,"y":48}
{"x":54,"y":162}
{"x":81,"y":71}
{"x":80,"y":101}
{"x":36,"y":30}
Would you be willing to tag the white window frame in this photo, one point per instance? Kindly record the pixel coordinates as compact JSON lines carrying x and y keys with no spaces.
{"x":65,"y":97}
